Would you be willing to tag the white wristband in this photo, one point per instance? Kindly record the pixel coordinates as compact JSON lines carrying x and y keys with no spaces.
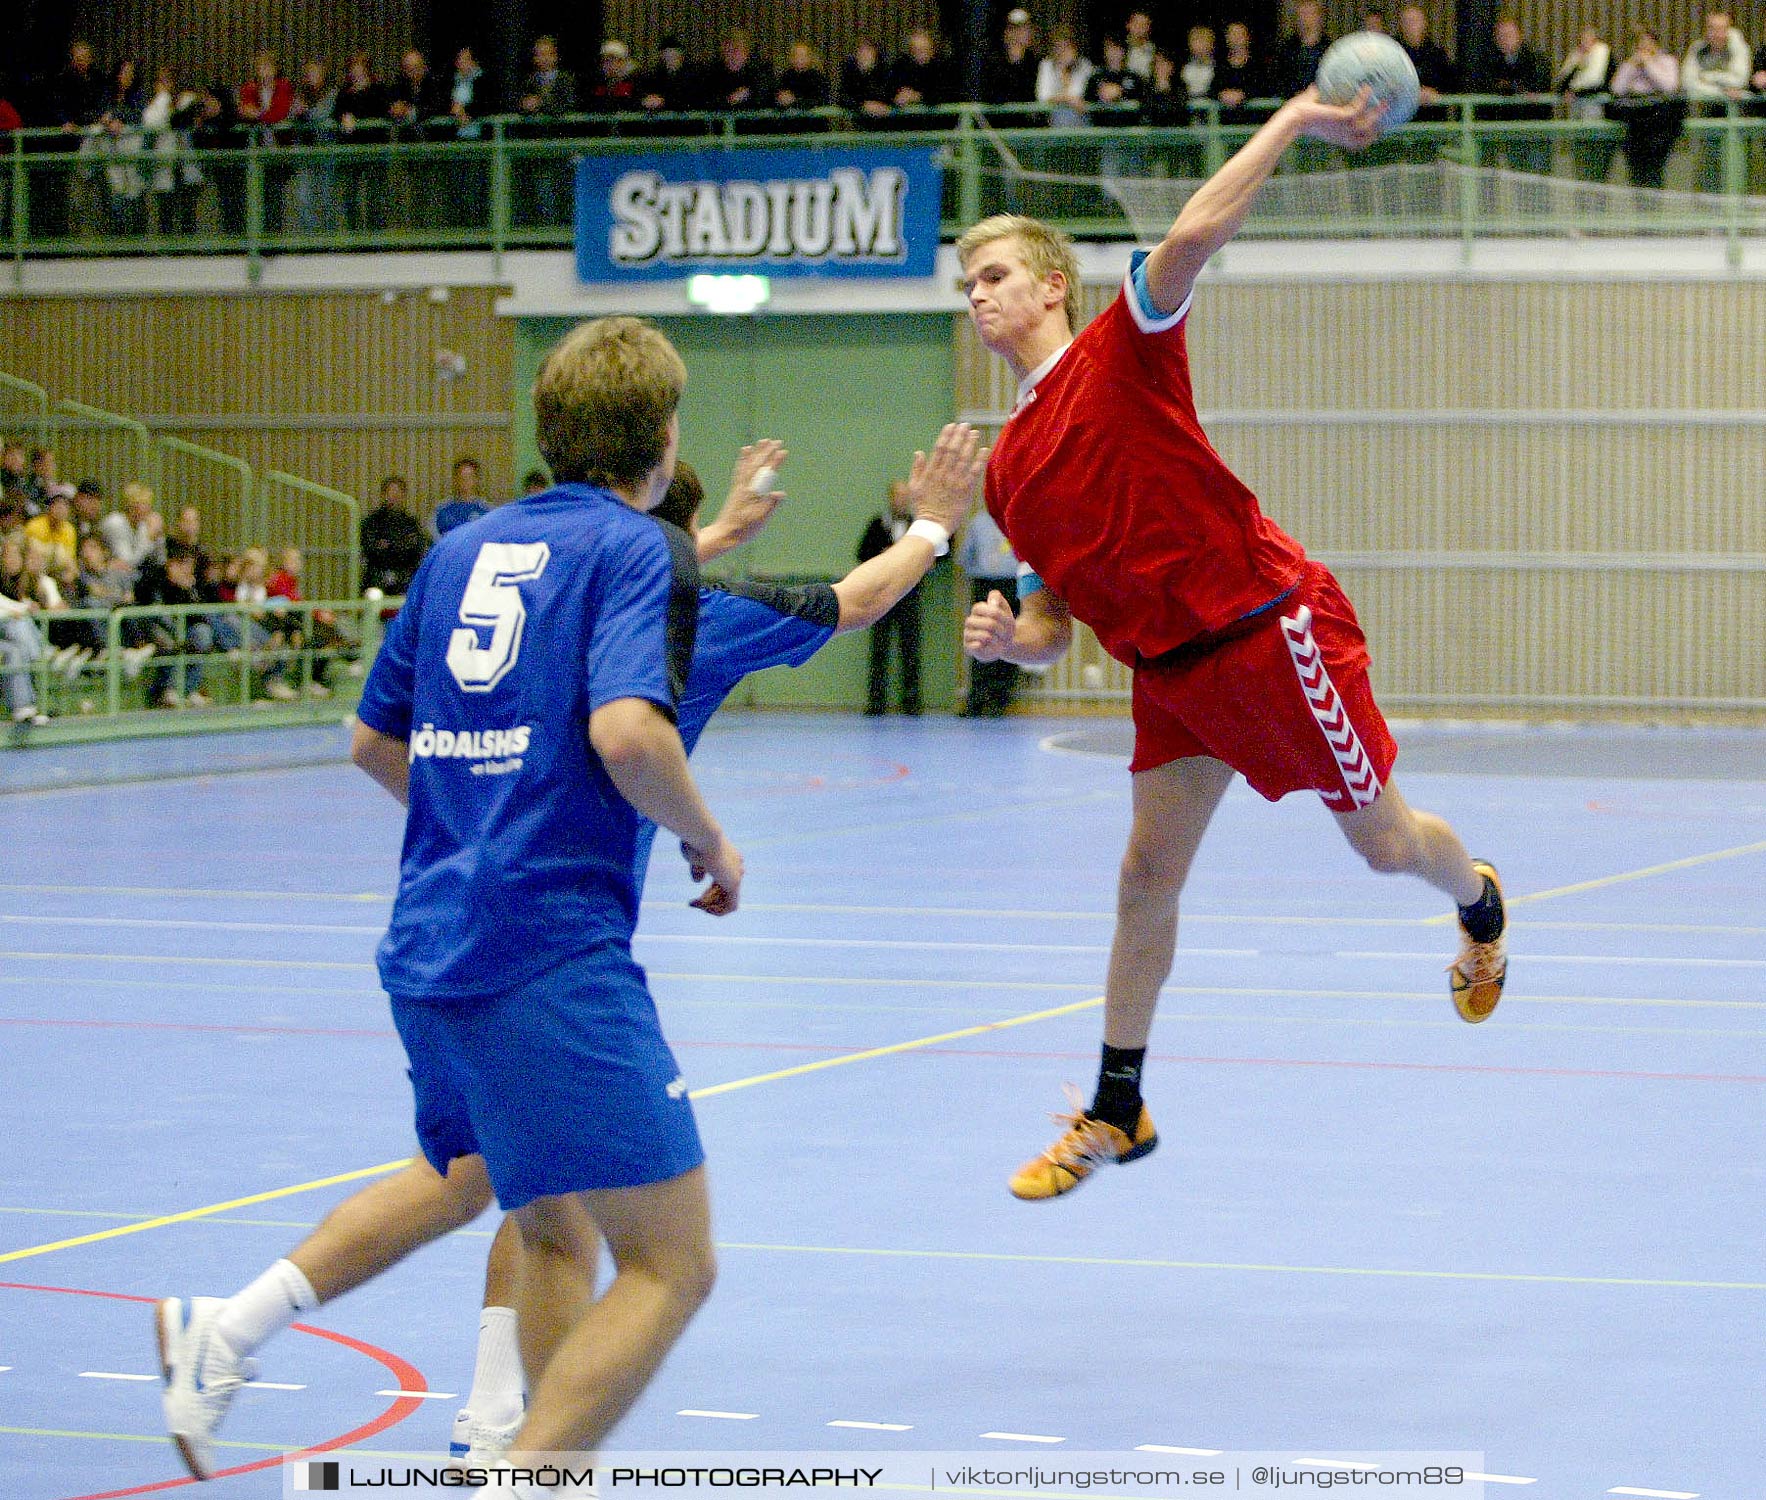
{"x":931,"y":531}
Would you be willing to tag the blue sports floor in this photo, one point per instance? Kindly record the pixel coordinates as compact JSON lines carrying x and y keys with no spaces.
{"x":1369,"y":1225}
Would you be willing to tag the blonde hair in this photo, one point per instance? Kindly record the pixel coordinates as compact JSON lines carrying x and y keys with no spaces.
{"x":602,"y":401}
{"x":1045,"y":249}
{"x":137,"y":493}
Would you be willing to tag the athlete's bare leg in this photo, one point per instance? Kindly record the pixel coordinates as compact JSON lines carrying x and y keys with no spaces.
{"x":660,"y":1239}
{"x":1396,"y":839}
{"x":544,"y":1263}
{"x":1173,"y":805}
{"x":383,"y":1223}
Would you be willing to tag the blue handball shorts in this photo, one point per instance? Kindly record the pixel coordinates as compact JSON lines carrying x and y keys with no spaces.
{"x":563,"y":1085}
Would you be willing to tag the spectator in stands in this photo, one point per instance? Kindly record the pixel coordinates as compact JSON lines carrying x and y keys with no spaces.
{"x":737,"y":79}
{"x":15,"y":468}
{"x":1137,"y":31}
{"x":1009,"y":76}
{"x":1298,"y":54}
{"x":416,"y":101}
{"x":317,"y":631}
{"x":548,"y":93}
{"x":88,"y":509}
{"x":175,"y":181}
{"x":54,"y":528}
{"x":1582,"y":79}
{"x":314,"y":194}
{"x":393,"y":542}
{"x":465,"y":502}
{"x":864,"y":82}
{"x":1435,"y":71}
{"x":10,"y":119}
{"x":469,"y":97}
{"x":1646,"y":101}
{"x":135,"y":534}
{"x":76,"y":99}
{"x":176,"y":635}
{"x":1197,"y":73}
{"x":1239,"y":77}
{"x":616,"y":90}
{"x":1061,"y":79}
{"x":265,"y":101}
{"x":535,"y":482}
{"x":362,"y":120}
{"x":1759,"y":79}
{"x":43,"y":477}
{"x":1713,"y":72}
{"x":1166,"y":103}
{"x":920,"y":78}
{"x":1114,"y":89}
{"x":899,"y":628}
{"x":1517,"y":69}
{"x":102,"y":584}
{"x":118,"y":144}
{"x":12,"y":518}
{"x":20,"y":645}
{"x":1374,"y":19}
{"x":803,"y":84}
{"x":186,"y":532}
{"x":669,"y":87}
{"x":251,"y":592}
{"x":218,"y":144}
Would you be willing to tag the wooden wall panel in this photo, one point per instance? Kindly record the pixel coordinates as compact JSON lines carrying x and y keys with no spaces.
{"x":215,"y":39}
{"x":338,"y":388}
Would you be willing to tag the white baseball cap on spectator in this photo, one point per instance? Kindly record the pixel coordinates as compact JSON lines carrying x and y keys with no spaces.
{"x":615,"y":48}
{"x":1019,"y":17}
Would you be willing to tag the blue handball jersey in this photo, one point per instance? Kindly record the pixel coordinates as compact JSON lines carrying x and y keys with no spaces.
{"x":743,"y":628}
{"x":519,"y":852}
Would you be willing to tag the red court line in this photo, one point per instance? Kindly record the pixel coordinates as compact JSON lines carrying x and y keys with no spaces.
{"x":406,"y":1377}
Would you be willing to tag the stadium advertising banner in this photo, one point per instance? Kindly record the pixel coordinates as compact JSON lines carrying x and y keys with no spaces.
{"x":867,"y":211}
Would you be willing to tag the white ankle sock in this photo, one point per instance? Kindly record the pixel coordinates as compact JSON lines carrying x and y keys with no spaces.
{"x":497,"y":1382}
{"x":266,"y":1307}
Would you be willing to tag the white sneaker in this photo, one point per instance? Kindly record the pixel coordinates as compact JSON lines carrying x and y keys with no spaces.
{"x":197,"y":699}
{"x":58,"y":659}
{"x":134,"y":659}
{"x":480,"y":1445}
{"x":201,"y":1374}
{"x":318,"y":690}
{"x":280,"y":691}
{"x":76,"y":663}
{"x":29,"y":715}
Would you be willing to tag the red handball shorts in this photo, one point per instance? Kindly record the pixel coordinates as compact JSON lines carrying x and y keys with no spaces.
{"x":1286,"y":703}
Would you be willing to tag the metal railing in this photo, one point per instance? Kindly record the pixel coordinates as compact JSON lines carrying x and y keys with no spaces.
{"x":512,"y":187}
{"x":126,"y":670}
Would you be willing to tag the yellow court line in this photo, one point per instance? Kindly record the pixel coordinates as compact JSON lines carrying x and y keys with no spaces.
{"x":924,"y":1041}
{"x":205,"y":1212}
{"x":1668,"y":867}
{"x":843,"y":1060}
{"x":1222,"y":1265}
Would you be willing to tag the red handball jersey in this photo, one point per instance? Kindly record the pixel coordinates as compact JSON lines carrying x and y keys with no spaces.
{"x":1105,"y":484}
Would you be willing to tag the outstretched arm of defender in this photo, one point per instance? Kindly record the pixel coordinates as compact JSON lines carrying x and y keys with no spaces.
{"x":1218,"y":208}
{"x":1038,"y":636}
{"x":941,"y":487}
{"x":748,"y":506}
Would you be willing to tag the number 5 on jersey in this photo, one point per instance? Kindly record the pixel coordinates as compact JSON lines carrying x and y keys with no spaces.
{"x":492,"y":599}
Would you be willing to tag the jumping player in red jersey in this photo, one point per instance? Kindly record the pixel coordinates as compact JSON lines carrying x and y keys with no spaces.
{"x":1246,"y":655}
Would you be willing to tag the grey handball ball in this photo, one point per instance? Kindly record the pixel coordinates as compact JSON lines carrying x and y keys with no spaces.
{"x":1376,"y":60}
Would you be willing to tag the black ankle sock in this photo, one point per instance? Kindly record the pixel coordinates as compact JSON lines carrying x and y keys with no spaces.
{"x":1118,"y":1099}
{"x":1483,"y":919}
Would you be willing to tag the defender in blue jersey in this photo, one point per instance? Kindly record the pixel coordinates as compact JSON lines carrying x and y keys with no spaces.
{"x":523,"y":707}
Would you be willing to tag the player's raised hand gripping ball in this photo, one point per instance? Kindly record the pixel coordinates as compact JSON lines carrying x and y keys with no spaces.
{"x":1376,"y":62}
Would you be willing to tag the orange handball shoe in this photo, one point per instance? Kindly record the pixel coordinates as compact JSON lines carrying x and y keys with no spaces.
{"x":1085,"y":1145}
{"x":1475,"y":978}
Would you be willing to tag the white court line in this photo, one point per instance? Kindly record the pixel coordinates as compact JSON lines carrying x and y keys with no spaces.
{"x":271,"y":1385}
{"x":1656,"y":1494}
{"x":1192,"y":1452}
{"x":112,"y":1375}
{"x":876,"y":1426}
{"x":722,"y":1416}
{"x":1478,"y":1478}
{"x":423,"y":1395}
{"x":1023,"y":1437}
{"x":4,"y":1369}
{"x":1614,"y":959}
{"x":380,"y":898}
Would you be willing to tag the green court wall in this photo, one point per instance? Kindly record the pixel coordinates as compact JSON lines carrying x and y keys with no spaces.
{"x":852,"y":398}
